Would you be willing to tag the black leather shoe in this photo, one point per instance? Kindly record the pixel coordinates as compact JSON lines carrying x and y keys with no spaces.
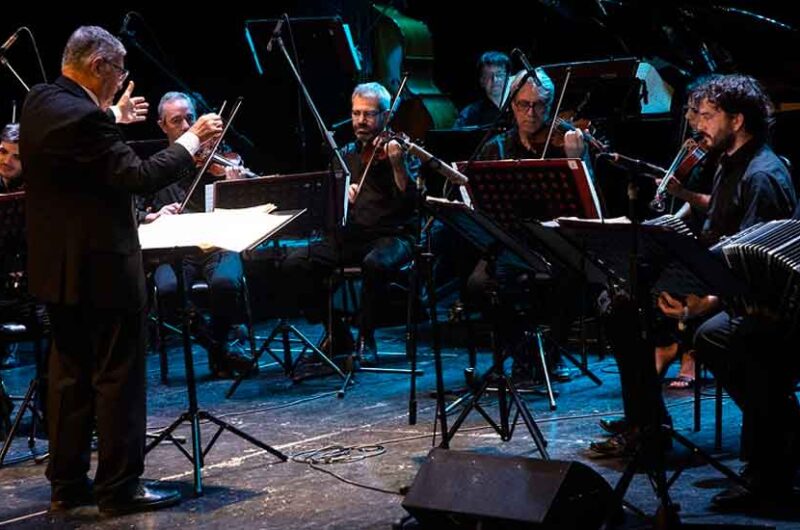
{"x":146,"y":498}
{"x":618,"y":446}
{"x":615,"y":426}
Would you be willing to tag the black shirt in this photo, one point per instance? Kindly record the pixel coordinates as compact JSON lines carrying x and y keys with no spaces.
{"x":479,"y":113}
{"x":507,"y":146}
{"x":176,"y":192}
{"x":10,"y":187}
{"x":380,"y":206}
{"x":750,"y":186}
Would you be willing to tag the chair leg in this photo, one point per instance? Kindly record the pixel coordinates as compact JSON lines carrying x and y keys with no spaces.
{"x":718,"y":417}
{"x":248,"y":312}
{"x":162,"y":348}
{"x":697,"y":394}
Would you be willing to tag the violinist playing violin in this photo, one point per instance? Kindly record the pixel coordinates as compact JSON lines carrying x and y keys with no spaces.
{"x":532,"y":109}
{"x":221,"y":269}
{"x":378,"y":233}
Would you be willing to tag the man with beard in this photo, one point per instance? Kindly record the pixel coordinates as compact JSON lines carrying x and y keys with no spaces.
{"x":378,"y":235}
{"x":751,"y":185}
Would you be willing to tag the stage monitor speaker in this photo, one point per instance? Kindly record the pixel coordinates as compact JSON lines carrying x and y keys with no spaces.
{"x":456,"y":489}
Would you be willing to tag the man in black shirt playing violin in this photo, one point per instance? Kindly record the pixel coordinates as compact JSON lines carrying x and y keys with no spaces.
{"x":378,"y":233}
{"x":221,"y":269}
{"x":532,"y":107}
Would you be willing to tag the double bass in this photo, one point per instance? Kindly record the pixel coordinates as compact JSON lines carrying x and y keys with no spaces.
{"x":403,"y":46}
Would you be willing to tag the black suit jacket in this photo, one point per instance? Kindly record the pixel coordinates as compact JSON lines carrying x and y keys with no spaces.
{"x":83,"y":246}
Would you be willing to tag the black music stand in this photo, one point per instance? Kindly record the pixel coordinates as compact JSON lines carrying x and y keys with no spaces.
{"x":679,"y":264}
{"x":12,"y":260}
{"x":517,"y":192}
{"x":317,"y":193}
{"x":489,"y":239}
{"x":599,"y":89}
{"x":193,"y":415}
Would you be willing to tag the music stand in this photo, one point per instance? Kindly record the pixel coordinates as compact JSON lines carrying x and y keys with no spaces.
{"x":314,"y":192}
{"x":12,"y":260}
{"x":679,"y":264}
{"x":193,"y":415}
{"x":516,"y":192}
{"x":599,"y":89}
{"x":489,"y":239}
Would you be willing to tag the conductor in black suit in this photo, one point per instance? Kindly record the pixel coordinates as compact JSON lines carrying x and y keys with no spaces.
{"x":85,"y":262}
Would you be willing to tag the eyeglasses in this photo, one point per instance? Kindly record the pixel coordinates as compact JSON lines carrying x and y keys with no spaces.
{"x":525,"y":106}
{"x":365,"y":113}
{"x":122,"y":73}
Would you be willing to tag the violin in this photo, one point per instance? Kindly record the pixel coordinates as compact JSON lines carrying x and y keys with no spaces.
{"x":225,"y":157}
{"x":564,"y":123}
{"x":689,"y":156}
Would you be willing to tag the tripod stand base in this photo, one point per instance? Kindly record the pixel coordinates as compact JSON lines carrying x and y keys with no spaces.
{"x":198,"y":452}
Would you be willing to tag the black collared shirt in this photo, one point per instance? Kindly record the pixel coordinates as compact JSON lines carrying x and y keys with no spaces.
{"x":380,"y":206}
{"x":750,"y":186}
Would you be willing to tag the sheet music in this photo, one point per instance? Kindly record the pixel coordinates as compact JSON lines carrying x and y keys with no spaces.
{"x":235,"y":230}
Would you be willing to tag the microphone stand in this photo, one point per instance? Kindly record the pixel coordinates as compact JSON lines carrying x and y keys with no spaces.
{"x":324,"y":131}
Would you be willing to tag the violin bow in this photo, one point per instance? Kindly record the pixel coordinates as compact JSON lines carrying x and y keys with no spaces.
{"x":208,"y":161}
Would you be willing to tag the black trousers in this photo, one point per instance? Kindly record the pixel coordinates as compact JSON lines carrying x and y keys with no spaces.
{"x":381,"y":258}
{"x":631,"y":338}
{"x":223,"y":272}
{"x":756,"y":362}
{"x":97,"y":379}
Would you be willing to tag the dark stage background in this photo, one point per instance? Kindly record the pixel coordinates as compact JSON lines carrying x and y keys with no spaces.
{"x":207,"y":49}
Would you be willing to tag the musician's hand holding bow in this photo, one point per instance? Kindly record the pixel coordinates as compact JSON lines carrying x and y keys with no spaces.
{"x":574,"y":146}
{"x":207,"y":127}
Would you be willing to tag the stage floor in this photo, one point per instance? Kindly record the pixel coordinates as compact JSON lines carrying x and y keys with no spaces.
{"x":246,"y":488}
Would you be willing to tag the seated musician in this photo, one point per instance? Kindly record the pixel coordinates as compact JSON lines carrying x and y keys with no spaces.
{"x":221,"y":269}
{"x":532,"y":110}
{"x":378,"y":233}
{"x":672,"y":340}
{"x":10,"y":180}
{"x":493,"y":71}
{"x":10,"y":165}
{"x":751,"y":185}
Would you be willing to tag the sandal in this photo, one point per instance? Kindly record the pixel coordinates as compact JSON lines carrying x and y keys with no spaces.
{"x":681,"y":382}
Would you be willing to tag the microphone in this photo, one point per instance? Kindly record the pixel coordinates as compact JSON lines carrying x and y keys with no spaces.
{"x":276,"y":33}
{"x":9,"y":42}
{"x":123,"y":30}
{"x":627,"y":161}
{"x":519,"y":54}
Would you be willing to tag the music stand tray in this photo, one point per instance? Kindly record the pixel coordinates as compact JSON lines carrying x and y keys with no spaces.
{"x":177,"y":249}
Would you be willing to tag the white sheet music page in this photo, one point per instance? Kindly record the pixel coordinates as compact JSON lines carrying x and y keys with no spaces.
{"x":235,"y":230}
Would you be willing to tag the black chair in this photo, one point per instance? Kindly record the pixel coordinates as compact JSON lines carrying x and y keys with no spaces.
{"x":199,"y":295}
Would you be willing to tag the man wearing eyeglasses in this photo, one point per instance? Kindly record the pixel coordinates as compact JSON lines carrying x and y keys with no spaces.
{"x":493,"y":70}
{"x":221,"y":270}
{"x":379,"y":225}
{"x":85,"y":263}
{"x":532,"y":111}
